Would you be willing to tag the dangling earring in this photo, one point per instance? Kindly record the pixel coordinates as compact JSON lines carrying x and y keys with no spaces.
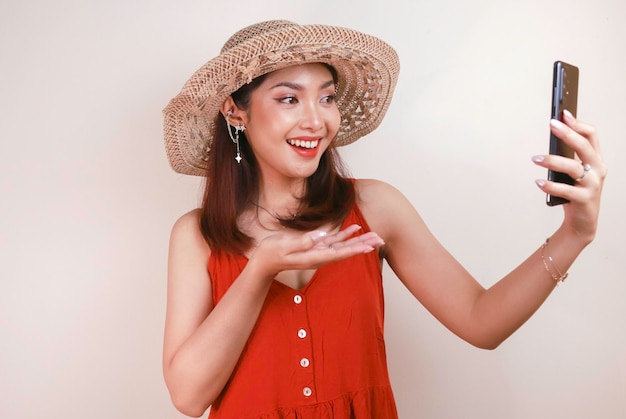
{"x":235,"y":136}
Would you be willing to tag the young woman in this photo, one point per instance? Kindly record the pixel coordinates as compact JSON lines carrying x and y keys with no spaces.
{"x":275,"y":302}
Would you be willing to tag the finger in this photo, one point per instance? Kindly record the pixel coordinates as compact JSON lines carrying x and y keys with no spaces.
{"x":580,"y":144}
{"x":310,"y":240}
{"x":339,"y":236}
{"x":555,"y":188}
{"x":586,"y":130}
{"x":322,"y":240}
{"x":369,"y":238}
{"x":589,"y":132}
{"x":571,"y":167}
{"x":316,"y":235}
{"x":343,"y":250}
{"x":563,"y":190}
{"x":347,"y":232}
{"x":582,"y":138}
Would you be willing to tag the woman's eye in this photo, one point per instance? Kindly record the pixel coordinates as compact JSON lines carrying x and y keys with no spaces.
{"x":328,"y":99}
{"x":290,"y":100}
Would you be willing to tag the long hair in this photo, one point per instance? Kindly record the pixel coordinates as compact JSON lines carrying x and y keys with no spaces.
{"x":230,"y":187}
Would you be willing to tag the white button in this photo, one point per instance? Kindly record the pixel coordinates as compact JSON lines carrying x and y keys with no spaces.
{"x":307,"y":391}
{"x":304,"y":362}
{"x":297,"y":299}
{"x":301,"y":333}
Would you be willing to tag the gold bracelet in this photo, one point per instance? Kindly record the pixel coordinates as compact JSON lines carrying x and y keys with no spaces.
{"x":550,"y":267}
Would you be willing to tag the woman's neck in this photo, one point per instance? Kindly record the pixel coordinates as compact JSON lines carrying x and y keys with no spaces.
{"x":281,"y":198}
{"x":274,"y":202}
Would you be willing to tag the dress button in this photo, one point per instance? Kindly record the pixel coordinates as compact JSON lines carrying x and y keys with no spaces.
{"x":307,"y":391}
{"x":304,"y":362}
{"x":297,"y":299}
{"x":301,"y":333}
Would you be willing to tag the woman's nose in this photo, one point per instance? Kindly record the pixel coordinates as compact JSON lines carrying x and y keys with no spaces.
{"x":312,"y":117}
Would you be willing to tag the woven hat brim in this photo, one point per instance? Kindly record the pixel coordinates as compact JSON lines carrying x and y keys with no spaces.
{"x":367,"y":70}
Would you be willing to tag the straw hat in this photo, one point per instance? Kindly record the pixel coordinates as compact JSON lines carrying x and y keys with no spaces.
{"x":367,"y":71}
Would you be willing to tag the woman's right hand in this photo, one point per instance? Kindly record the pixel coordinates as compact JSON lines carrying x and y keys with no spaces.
{"x":310,"y":250}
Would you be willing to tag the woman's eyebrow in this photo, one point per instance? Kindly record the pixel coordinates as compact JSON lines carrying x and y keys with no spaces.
{"x":297,"y":86}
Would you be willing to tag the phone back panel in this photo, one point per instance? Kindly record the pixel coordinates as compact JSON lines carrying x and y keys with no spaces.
{"x":564,"y":96}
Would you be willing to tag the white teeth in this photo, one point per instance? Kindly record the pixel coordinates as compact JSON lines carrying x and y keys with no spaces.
{"x":304,"y":144}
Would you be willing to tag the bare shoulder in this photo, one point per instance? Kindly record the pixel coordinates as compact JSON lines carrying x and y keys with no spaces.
{"x":188,"y":223}
{"x":186,"y":234}
{"x":374,"y":196}
{"x":382,"y":205}
{"x":369,"y":190}
{"x":189,"y":220}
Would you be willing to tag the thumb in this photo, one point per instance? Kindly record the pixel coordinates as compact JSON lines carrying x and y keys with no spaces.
{"x":315,"y":236}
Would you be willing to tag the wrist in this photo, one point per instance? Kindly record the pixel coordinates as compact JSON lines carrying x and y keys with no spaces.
{"x":550,"y":265}
{"x":257,"y":268}
{"x":573,"y":237}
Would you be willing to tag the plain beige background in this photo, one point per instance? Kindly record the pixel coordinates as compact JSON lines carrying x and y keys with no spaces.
{"x":88,"y":199}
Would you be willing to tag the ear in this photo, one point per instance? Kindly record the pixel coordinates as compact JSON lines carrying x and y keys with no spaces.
{"x":237,"y":116}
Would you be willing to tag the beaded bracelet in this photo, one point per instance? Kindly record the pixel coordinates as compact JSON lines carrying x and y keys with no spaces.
{"x":549,"y":265}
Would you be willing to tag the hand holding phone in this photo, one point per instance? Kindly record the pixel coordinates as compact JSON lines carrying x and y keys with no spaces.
{"x":564,"y":97}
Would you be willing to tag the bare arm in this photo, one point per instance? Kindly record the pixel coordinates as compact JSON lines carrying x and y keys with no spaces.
{"x":193,"y":378}
{"x":203,"y":341}
{"x":486,"y":317}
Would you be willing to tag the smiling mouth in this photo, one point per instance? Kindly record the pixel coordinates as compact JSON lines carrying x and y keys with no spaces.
{"x":304,"y":144}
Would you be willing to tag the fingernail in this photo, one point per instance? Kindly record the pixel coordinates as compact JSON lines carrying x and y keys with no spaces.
{"x":369,"y":249}
{"x":540,"y":182}
{"x":555,"y":123}
{"x":568,"y":114}
{"x":317,"y":235}
{"x":538,"y":159}
{"x":353,"y":228}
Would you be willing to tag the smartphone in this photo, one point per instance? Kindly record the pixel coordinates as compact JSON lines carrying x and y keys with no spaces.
{"x":564,"y":96}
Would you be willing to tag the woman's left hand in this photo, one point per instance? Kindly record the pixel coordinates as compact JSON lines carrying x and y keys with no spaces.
{"x":588,"y":169}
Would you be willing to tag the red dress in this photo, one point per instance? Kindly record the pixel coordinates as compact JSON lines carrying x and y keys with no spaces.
{"x":317,"y":352}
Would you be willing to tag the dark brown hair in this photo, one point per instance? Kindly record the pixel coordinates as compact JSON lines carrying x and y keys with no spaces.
{"x":231,"y":187}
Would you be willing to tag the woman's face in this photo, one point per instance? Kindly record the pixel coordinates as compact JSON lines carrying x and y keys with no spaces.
{"x":291,"y":120}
